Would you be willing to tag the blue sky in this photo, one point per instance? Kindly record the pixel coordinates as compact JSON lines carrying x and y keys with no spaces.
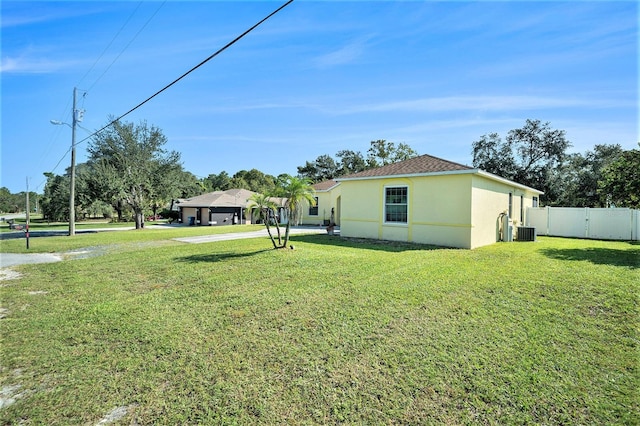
{"x":316,"y":78}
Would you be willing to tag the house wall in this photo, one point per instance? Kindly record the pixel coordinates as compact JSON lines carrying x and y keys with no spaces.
{"x":326,"y":201}
{"x":438,"y":210}
{"x":489,"y":200}
{"x":456,"y":210}
{"x":186,"y":212}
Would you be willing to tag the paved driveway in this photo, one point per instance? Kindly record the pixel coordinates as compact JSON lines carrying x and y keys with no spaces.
{"x":12,"y":259}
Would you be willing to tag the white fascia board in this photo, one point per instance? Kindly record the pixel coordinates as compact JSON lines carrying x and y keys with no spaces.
{"x":507,"y":181}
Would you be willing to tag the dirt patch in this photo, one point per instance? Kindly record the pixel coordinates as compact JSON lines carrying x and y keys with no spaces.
{"x":114,"y":415}
{"x":9,"y":274}
{"x":9,"y":394}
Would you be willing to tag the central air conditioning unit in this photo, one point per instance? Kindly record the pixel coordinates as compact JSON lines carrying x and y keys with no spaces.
{"x":526,"y":233}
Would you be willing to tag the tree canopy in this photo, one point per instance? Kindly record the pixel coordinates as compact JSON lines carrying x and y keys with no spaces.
{"x":576,"y":182}
{"x":620,"y":184}
{"x":130,"y":163}
{"x":528,"y":156}
{"x":380,"y":153}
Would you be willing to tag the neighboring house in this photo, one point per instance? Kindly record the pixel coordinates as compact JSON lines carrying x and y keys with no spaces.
{"x":327,"y":204}
{"x":230,"y":207}
{"x":429,"y":200}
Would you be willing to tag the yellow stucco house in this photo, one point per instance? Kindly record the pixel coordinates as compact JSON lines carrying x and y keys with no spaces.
{"x":327,"y":208}
{"x":428,"y":200}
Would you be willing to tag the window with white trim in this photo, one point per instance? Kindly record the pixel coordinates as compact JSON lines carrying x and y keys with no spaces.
{"x":313,"y":210}
{"x":510,"y":205}
{"x":395,"y":204}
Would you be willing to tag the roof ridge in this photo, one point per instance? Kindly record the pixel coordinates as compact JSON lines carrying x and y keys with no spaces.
{"x":448,"y":161}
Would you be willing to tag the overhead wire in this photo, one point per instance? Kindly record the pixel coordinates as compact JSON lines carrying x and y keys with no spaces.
{"x":109,"y":45}
{"x":85,"y":92}
{"x":127,"y":46}
{"x":222,"y":49}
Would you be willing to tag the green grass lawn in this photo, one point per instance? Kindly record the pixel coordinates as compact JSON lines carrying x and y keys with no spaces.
{"x":335,"y":331}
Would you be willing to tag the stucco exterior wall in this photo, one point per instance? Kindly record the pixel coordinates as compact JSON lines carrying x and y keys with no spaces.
{"x":186,"y":212}
{"x":491,"y":198}
{"x":438,"y":210}
{"x":452,"y":210}
{"x":326,"y":201}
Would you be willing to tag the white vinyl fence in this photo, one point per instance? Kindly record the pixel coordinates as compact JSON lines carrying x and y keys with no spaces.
{"x":579,"y":222}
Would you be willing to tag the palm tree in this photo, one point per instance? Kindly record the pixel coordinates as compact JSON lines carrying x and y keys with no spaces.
{"x":298,"y":193}
{"x":266,"y":208}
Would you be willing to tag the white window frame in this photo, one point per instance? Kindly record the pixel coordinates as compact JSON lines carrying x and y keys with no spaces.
{"x":314,"y":208}
{"x":384,"y":212}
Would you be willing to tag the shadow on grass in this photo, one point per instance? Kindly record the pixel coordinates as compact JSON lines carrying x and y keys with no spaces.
{"x":598,"y":256}
{"x":218,"y":257}
{"x":363,"y":243}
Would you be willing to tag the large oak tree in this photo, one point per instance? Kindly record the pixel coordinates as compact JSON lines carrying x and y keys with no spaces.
{"x":528,"y":156}
{"x":130,"y":163}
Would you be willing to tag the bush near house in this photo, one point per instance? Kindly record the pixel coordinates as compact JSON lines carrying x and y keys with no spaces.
{"x":336,"y":331}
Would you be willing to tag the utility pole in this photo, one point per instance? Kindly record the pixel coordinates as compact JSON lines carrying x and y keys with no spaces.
{"x":77,"y":116}
{"x":72,"y":188}
{"x":28,"y":212}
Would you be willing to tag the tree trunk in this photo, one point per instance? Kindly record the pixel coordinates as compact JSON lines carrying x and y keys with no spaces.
{"x":118,"y":207}
{"x":139,"y":220}
{"x":286,"y":234}
{"x":266,"y":222}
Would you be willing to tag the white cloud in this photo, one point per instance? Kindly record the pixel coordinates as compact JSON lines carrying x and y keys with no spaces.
{"x":344,"y":55}
{"x":25,"y":65}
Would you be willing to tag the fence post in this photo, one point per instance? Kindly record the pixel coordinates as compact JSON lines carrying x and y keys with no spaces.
{"x":548,"y":219}
{"x":586,"y":224}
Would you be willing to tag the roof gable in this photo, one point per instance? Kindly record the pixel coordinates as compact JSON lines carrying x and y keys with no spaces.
{"x":325,"y":185}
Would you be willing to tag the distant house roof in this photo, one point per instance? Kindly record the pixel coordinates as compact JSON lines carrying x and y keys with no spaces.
{"x":325,"y":185}
{"x":228,"y":198}
{"x":425,"y":165}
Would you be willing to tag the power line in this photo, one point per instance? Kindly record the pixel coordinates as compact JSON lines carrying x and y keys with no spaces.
{"x":128,"y":44}
{"x":110,"y":65}
{"x":222,"y":49}
{"x":109,"y":45}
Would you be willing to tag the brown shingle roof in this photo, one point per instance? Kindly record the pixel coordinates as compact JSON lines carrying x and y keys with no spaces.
{"x":325,"y":185}
{"x":229,"y":198}
{"x":417,"y":165}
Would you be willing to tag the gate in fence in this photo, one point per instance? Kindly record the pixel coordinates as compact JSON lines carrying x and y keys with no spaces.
{"x":584,"y":222}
